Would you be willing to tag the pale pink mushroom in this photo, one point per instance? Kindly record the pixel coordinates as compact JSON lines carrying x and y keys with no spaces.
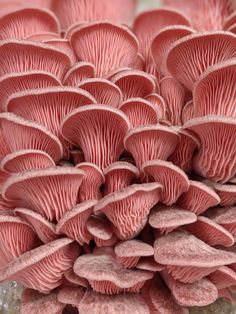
{"x":128,"y":209}
{"x":151,"y":142}
{"x":128,"y":253}
{"x":166,"y":219}
{"x":34,"y":302}
{"x":70,"y":12}
{"x":227,"y":194}
{"x":78,"y":72}
{"x":128,"y":303}
{"x":188,"y":112}
{"x":91,"y":40}
{"x":199,"y":293}
{"x":71,"y":295}
{"x":107,"y":276}
{"x":16,"y":238}
{"x":26,"y":159}
{"x":147,"y":25}
{"x":159,"y":104}
{"x":216,"y":158}
{"x":22,"y":134}
{"x":73,"y":222}
{"x":22,"y":55}
{"x":45,"y":230}
{"x":119,"y":175}
{"x":130,"y":81}
{"x":77,"y":156}
{"x":173,"y":180}
{"x":174,"y":95}
{"x":50,"y":192}
{"x":101,"y":230}
{"x":223,"y":277}
{"x":19,"y":82}
{"x":162,"y":42}
{"x":184,"y":152}
{"x":91,"y":183}
{"x":226,"y":217}
{"x":214,"y":92}
{"x":64,"y":45}
{"x":24,"y":22}
{"x":74,"y":279}
{"x":198,"y":198}
{"x":148,"y":263}
{"x":140,"y":112}
{"x":114,"y":72}
{"x":211,"y":232}
{"x":43,"y":36}
{"x":187,"y":258}
{"x":92,"y":129}
{"x":104,"y":91}
{"x":42,"y":268}
{"x":187,"y":58}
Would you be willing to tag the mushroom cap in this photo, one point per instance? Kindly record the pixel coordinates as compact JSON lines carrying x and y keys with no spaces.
{"x":71,"y":295}
{"x":129,"y":303}
{"x":75,"y":279}
{"x":24,"y":22}
{"x":148,"y":263}
{"x":223,"y":277}
{"x":28,"y":56}
{"x":159,"y":104}
{"x":218,"y":44}
{"x":78,"y":72}
{"x":99,"y":227}
{"x":227,"y":194}
{"x":188,"y":111}
{"x":57,"y":188}
{"x":23,"y":134}
{"x":133,"y":248}
{"x":120,"y":44}
{"x":64,"y":45}
{"x":42,"y":36}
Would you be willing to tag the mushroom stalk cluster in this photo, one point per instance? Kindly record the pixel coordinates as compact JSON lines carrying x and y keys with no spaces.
{"x":118,"y":155}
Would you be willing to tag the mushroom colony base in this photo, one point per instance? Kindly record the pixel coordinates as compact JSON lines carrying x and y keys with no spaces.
{"x":118,"y":156}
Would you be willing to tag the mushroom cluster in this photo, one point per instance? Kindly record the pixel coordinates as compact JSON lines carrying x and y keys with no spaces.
{"x":118,"y":155}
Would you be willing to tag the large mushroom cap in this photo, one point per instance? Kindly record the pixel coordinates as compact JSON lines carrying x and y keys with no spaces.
{"x":78,"y":72}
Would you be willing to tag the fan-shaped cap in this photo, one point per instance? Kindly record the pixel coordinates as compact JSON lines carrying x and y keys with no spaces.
{"x":57,"y":188}
{"x":29,"y":56}
{"x":216,"y":159}
{"x":24,"y":22}
{"x":22,"y":134}
{"x":210,"y":232}
{"x":167,"y":219}
{"x":119,"y":175}
{"x":101,"y":230}
{"x":18,"y":82}
{"x":161,"y":44}
{"x":36,"y":269}
{"x":107,"y":276}
{"x":184,"y":152}
{"x":188,"y":112}
{"x":187,"y":58}
{"x":148,"y":263}
{"x":77,"y":156}
{"x":226,"y":217}
{"x":45,"y":230}
{"x":159,"y":104}
{"x":227,"y":194}
{"x":199,"y":293}
{"x":130,"y":81}
{"x":129,"y":252}
{"x":140,"y":111}
{"x":173,"y":180}
{"x":64,"y":45}
{"x":16,"y":238}
{"x":198,"y":198}
{"x":214,"y":92}
{"x":91,"y":183}
{"x":91,"y":40}
{"x":90,"y":127}
{"x":26,"y":159}
{"x":73,"y":223}
{"x":70,"y":12}
{"x":151,"y":142}
{"x":104,"y":91}
{"x":188,"y":258}
{"x":33,"y":302}
{"x":78,"y":72}
{"x":75,"y":279}
{"x":71,"y":295}
{"x":128,"y":303}
{"x":174,"y":95}
{"x":128,"y":209}
{"x":223,"y":277}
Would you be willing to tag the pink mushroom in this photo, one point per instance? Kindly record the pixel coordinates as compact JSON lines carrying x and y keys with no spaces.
{"x":227,"y":194}
{"x":78,"y":72}
{"x":223,"y":277}
{"x":64,"y":45}
{"x":188,"y":112}
{"x":159,"y":104}
{"x":71,"y":295}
